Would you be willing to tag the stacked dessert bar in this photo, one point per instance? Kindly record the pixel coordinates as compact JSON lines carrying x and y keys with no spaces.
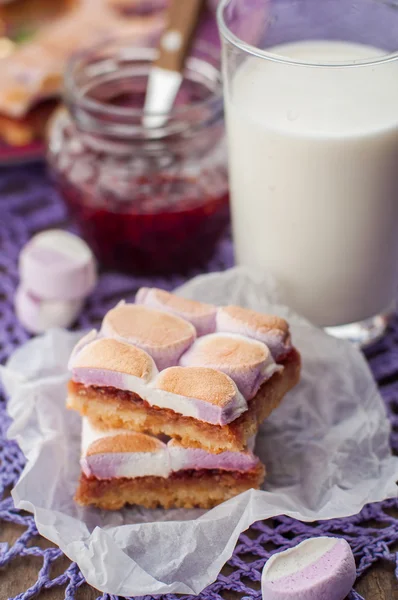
{"x":172,"y":393}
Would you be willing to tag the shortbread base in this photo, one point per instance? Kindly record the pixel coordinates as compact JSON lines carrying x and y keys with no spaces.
{"x":185,"y":489}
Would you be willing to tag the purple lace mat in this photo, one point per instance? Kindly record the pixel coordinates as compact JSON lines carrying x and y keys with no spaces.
{"x":28,"y":203}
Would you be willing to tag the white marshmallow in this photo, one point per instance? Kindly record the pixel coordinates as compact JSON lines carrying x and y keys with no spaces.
{"x":38,"y":315}
{"x":57,"y":265}
{"x":317,"y":568}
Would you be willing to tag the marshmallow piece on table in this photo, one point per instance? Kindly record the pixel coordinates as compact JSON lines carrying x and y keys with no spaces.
{"x":317,"y":568}
{"x":38,"y":315}
{"x":57,"y":265}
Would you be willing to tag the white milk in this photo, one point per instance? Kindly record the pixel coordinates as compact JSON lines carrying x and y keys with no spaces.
{"x":314,"y":178}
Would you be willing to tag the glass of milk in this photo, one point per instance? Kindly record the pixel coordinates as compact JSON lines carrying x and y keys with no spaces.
{"x":311,"y":97}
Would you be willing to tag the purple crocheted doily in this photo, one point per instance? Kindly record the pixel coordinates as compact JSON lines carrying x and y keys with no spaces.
{"x":28,"y":203}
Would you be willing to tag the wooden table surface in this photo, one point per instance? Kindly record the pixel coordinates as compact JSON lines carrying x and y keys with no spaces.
{"x":378,"y":583}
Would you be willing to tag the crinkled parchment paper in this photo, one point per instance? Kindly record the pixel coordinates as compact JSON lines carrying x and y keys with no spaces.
{"x":326,"y":450}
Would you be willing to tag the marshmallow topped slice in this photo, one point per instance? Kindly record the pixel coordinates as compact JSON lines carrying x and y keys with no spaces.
{"x":201,"y":315}
{"x":164,"y":336}
{"x":117,"y":453}
{"x":111,"y":363}
{"x":248,"y":362}
{"x":57,"y":265}
{"x":203,"y":394}
{"x":269,"y":329}
{"x":317,"y":568}
{"x":208,"y":395}
{"x":38,"y":315}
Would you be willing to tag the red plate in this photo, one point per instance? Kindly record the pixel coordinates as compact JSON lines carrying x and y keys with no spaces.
{"x":21,"y":154}
{"x":33,"y":127}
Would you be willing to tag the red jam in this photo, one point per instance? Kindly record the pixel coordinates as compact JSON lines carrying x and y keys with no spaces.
{"x":139,"y":212}
{"x":166,"y":239}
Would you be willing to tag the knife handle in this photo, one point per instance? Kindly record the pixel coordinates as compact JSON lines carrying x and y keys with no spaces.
{"x":181,"y":22}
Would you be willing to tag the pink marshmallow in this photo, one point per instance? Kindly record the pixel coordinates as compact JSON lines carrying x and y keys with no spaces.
{"x":248,"y":362}
{"x":201,"y":315}
{"x":38,"y":315}
{"x":317,"y":568}
{"x":57,"y":265}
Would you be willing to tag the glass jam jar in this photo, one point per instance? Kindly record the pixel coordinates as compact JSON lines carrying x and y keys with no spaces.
{"x":147,"y":200}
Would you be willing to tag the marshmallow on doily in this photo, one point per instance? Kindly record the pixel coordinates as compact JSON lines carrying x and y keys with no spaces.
{"x":57,"y":271}
{"x":322,"y":567}
{"x":38,"y":315}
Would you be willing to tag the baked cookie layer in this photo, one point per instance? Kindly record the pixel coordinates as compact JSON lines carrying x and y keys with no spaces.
{"x":184,"y":489}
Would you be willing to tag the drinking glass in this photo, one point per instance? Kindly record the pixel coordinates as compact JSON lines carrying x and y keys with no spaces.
{"x":311,"y":98}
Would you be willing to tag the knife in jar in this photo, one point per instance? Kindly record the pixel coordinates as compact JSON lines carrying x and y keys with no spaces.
{"x":166,"y":73}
